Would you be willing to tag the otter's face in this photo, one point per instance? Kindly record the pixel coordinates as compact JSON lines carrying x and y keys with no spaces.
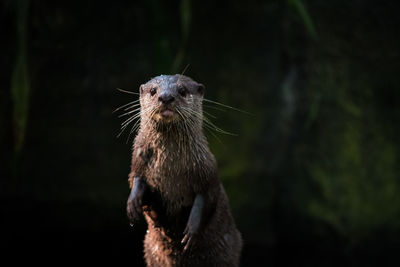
{"x":167,"y":98}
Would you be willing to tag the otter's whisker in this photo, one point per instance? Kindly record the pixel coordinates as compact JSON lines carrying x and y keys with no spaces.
{"x":209,"y":114}
{"x":121,"y":107}
{"x":217,"y":128}
{"x":213,"y":134}
{"x":190,"y":117}
{"x":128,"y":92}
{"x":132,"y":130}
{"x":213,"y":107}
{"x":206,"y":126}
{"x":130,"y":119}
{"x":208,"y":123}
{"x":226,"y":106}
{"x":186,"y":123}
{"x":133,"y":106}
{"x":126,"y":122}
{"x":181,"y":140}
{"x":130,"y":112}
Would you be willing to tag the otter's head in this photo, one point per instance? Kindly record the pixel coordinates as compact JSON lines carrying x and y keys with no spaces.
{"x":169,"y":99}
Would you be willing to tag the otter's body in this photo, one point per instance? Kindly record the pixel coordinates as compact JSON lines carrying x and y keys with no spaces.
{"x":174,"y":181}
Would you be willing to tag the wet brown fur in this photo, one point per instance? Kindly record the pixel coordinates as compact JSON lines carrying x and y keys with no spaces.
{"x":175,"y":161}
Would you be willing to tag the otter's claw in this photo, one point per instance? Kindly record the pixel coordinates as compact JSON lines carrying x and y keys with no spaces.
{"x":187,"y":240}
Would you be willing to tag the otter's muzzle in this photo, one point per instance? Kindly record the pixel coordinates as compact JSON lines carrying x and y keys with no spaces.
{"x":166,"y":99}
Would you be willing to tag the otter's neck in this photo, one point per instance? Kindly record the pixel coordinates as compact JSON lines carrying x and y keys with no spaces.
{"x":176,"y":139}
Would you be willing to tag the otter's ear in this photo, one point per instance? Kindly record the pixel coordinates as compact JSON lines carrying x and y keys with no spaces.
{"x":200,"y":89}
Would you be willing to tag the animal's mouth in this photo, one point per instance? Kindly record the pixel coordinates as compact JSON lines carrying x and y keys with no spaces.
{"x":167,"y":113}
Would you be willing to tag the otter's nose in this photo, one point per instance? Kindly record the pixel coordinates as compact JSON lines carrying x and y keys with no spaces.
{"x":166,"y":99}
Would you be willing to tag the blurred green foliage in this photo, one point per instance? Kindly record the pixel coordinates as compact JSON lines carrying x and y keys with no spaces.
{"x":20,"y":79}
{"x":300,"y":8}
{"x":355,"y":172}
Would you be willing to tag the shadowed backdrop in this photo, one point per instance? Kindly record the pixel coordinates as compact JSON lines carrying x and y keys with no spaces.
{"x":312,"y":173}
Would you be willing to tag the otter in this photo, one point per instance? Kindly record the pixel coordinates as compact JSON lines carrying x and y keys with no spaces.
{"x":174,"y":180}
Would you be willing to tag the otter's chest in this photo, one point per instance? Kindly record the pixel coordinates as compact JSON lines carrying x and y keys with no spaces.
{"x":175,"y":175}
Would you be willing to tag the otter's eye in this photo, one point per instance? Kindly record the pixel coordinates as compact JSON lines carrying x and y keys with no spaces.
{"x":182,"y":91}
{"x":153,"y":91}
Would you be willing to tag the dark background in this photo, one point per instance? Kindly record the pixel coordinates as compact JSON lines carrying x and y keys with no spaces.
{"x":313,"y":176}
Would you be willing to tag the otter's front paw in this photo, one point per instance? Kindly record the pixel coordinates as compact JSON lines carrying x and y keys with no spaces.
{"x":188,"y":238}
{"x":193,"y":224}
{"x":134,"y":208}
{"x":135,"y":200}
